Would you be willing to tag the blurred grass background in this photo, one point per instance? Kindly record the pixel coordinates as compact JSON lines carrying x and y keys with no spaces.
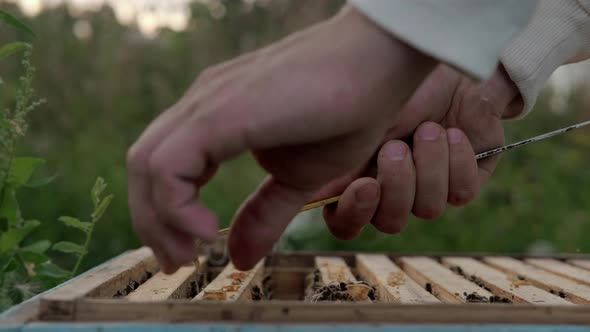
{"x":104,"y":86}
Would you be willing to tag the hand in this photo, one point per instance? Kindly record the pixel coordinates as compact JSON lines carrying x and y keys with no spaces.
{"x":440,"y":167}
{"x":311,"y":108}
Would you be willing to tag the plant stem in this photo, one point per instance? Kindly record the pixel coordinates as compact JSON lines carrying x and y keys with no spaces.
{"x":81,"y":256}
{"x":5,"y":175}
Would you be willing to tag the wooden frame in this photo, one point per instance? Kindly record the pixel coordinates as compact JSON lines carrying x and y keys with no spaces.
{"x":77,"y":301}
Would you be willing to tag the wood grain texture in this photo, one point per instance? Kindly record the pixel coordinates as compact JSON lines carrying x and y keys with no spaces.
{"x":104,"y":281}
{"x":233,"y":285}
{"x":445,"y":285}
{"x":333,"y":270}
{"x":563,"y":269}
{"x":17,"y":316}
{"x":392,"y":284}
{"x":583,"y":263}
{"x":329,"y":313}
{"x":165,"y":287}
{"x":502,"y":284}
{"x":571,"y":290}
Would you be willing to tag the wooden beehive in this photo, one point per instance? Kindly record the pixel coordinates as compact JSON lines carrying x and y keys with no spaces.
{"x":283,"y":288}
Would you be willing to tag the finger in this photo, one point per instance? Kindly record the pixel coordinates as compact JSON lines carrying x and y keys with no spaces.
{"x":487,"y":167}
{"x":261,"y":220}
{"x":397,"y":177}
{"x":463,"y":170}
{"x":169,"y":246}
{"x":431,"y":158}
{"x":354,"y":210}
{"x":336,"y":187}
{"x":430,"y":102}
{"x":144,"y":217}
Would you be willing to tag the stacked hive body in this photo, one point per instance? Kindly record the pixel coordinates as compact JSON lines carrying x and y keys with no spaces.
{"x":328,"y":287}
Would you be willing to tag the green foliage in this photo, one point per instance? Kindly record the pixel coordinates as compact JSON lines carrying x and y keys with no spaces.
{"x":86,"y":227}
{"x":104,"y":90}
{"x":13,"y":48}
{"x":16,"y":23}
{"x":26,"y":269}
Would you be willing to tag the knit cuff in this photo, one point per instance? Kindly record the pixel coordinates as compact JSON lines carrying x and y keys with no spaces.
{"x":469,"y":35}
{"x":558,"y":33}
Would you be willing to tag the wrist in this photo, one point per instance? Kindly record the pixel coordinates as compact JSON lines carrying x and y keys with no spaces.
{"x":505,"y":93}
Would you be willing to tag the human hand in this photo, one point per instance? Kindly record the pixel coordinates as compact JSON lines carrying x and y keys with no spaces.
{"x":454,"y":117}
{"x":311,"y":108}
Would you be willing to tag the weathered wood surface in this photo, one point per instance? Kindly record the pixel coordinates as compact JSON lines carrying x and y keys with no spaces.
{"x":165,"y":287}
{"x":392,"y":284}
{"x":102,"y":282}
{"x":571,"y":290}
{"x":233,"y":285}
{"x":333,"y":270}
{"x":353,"y":313}
{"x":443,"y":283}
{"x":502,"y":284}
{"x":563,"y":269}
{"x":583,"y":263}
{"x":15,"y":317}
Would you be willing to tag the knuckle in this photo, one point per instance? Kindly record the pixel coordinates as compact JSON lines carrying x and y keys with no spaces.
{"x":157,"y":167}
{"x":208,"y":74}
{"x":136,"y":159}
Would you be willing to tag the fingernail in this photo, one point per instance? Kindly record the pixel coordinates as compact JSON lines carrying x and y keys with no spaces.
{"x":367,"y":194}
{"x":429,"y":132}
{"x":455,"y":136}
{"x":395,"y":151}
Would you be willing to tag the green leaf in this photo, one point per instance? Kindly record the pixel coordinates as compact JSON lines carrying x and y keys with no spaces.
{"x":11,"y":20}
{"x":11,"y":265}
{"x":36,"y":183}
{"x":21,"y":170}
{"x":49,"y":269}
{"x":33,"y":257}
{"x":11,"y":238}
{"x":77,"y":224}
{"x":69,"y":248}
{"x":38,"y":247}
{"x":9,"y":207}
{"x":97,"y":189}
{"x":12,"y":48}
{"x":7,"y":262}
{"x":102,"y":207}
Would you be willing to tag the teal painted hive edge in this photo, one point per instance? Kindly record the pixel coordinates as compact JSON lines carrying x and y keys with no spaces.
{"x":105,"y":327}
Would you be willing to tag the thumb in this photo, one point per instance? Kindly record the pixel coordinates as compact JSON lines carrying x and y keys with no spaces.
{"x":262,"y":219}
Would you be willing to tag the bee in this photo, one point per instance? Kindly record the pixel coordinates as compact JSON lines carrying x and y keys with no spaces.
{"x":499,"y":299}
{"x":475,"y":298}
{"x":257,"y":294}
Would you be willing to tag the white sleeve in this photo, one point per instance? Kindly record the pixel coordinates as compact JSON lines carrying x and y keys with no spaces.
{"x":558,"y":33}
{"x":467,"y":34}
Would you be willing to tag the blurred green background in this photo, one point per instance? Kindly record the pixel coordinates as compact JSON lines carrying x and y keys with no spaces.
{"x":104,"y":82}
